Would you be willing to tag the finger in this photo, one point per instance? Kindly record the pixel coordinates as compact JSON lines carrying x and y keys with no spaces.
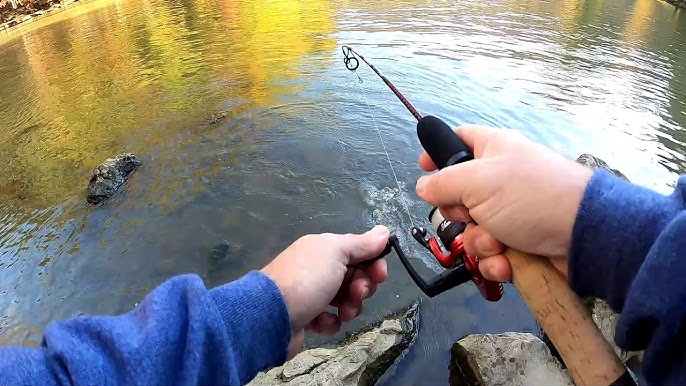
{"x":471,"y":135}
{"x":456,"y":213}
{"x":349,"y":310}
{"x":426,"y":163}
{"x":496,"y":268}
{"x":325,"y":323}
{"x":478,"y":242}
{"x":476,"y":137}
{"x":345,"y":285}
{"x":361,"y":283}
{"x":358,"y":248}
{"x":454,"y":185}
{"x":296,"y":344}
{"x":360,"y":288}
{"x":377,"y":271}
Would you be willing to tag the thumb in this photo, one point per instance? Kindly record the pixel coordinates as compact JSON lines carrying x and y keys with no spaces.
{"x":453,"y":185}
{"x":358,"y":248}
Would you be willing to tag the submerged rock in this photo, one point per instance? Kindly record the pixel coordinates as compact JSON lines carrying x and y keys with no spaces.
{"x":505,"y":359}
{"x":109,"y":176}
{"x":222,"y":260}
{"x":360,"y":360}
{"x":214,"y":117}
{"x":595,"y":162}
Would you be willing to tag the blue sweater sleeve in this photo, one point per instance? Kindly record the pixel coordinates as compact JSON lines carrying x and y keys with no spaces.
{"x":629,"y":248}
{"x":181,"y":333}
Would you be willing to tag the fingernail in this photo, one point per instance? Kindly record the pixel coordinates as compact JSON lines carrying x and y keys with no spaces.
{"x":421,"y":183}
{"x":365,"y":293}
{"x":379,"y":231}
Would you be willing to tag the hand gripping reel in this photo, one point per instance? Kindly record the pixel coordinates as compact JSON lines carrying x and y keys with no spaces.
{"x":445,"y":148}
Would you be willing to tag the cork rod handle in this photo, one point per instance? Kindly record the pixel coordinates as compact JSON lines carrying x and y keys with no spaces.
{"x":589,"y":357}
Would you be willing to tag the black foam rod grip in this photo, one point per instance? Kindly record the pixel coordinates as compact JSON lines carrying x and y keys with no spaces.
{"x":441,"y":143}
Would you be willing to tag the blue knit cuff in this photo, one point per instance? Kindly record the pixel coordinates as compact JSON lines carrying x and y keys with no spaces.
{"x":257,"y":322}
{"x":615,"y":227}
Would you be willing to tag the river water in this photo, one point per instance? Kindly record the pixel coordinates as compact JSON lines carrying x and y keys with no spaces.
{"x":297,"y":151}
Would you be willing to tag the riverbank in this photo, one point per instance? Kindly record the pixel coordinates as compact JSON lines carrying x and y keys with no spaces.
{"x":14,"y":17}
{"x":58,"y":11}
{"x":10,"y":18}
{"x":677,"y":3}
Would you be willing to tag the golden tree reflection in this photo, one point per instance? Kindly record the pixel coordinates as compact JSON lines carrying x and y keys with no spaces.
{"x":133,"y":75}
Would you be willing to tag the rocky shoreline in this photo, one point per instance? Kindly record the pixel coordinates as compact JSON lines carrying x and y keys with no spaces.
{"x":359,"y":360}
{"x":10,"y":17}
{"x":366,"y":357}
{"x":677,"y":3}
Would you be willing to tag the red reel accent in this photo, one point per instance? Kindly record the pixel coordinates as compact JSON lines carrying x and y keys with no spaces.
{"x":490,"y":290}
{"x":446,"y":261}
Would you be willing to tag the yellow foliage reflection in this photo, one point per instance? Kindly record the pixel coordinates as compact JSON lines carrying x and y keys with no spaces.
{"x":132,"y":75}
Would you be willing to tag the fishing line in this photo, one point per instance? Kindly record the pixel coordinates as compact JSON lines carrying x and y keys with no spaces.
{"x":388,"y":157}
{"x":447,"y":246}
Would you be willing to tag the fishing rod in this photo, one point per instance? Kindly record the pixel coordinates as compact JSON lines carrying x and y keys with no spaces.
{"x":588,"y":356}
{"x":351,"y":63}
{"x":460,"y":267}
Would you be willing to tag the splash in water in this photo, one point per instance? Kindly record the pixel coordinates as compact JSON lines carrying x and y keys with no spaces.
{"x":387,"y":204}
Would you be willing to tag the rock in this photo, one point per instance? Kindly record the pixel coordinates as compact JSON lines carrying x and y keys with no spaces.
{"x":595,"y":162}
{"x":223,"y":259}
{"x":360,"y":360}
{"x":214,"y":118}
{"x":505,"y":359}
{"x":606,"y":320}
{"x":109,"y":176}
{"x":677,"y":3}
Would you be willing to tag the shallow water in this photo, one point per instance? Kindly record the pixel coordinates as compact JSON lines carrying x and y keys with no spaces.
{"x":298,"y":152}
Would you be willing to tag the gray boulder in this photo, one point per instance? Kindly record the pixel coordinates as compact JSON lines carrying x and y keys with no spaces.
{"x":359,"y":360}
{"x":505,"y":359}
{"x":109,"y":176}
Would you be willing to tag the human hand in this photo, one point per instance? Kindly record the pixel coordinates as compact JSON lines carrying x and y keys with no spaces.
{"x":520,"y":194}
{"x":320,"y":270}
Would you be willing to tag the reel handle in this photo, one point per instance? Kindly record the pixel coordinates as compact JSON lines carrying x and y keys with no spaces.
{"x":588,"y":356}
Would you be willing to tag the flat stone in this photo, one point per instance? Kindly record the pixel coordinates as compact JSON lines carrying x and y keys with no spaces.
{"x":505,"y":359}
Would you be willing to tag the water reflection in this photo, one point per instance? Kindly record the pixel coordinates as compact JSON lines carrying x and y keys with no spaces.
{"x":296,"y":152}
{"x":127,"y":78}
